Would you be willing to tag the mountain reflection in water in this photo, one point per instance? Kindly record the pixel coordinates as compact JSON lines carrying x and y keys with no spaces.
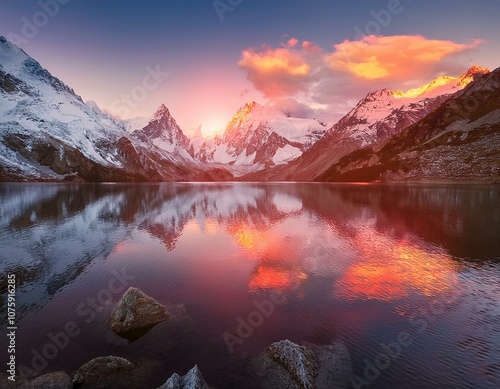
{"x":352,"y":261}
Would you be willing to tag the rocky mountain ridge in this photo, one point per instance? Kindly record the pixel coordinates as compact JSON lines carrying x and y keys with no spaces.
{"x":47,"y":133}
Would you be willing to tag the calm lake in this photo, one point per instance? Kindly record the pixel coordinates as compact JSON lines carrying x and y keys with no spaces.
{"x":359,"y":264}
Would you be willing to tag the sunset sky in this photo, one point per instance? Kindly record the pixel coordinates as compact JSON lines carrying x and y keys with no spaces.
{"x":312,"y":58}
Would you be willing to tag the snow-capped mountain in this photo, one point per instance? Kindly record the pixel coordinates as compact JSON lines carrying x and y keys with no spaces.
{"x":460,"y":140}
{"x":259,"y":137}
{"x":48,"y":133}
{"x":164,"y":132}
{"x":375,"y":119}
{"x":136,"y":123}
{"x":384,"y":113}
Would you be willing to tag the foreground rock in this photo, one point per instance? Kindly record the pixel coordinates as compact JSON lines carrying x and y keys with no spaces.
{"x":286,"y":365}
{"x":135,"y":314}
{"x":192,"y":380}
{"x":57,"y":380}
{"x":103,"y":372}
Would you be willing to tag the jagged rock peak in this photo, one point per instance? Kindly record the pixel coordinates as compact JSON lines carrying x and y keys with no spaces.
{"x":475,"y":69}
{"x":472,"y":74}
{"x":161,"y":111}
{"x":252,"y":104}
{"x":378,"y":94}
{"x":249,"y":107}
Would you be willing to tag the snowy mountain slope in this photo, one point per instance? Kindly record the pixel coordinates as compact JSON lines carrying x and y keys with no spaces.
{"x":375,"y":119}
{"x":136,"y":123}
{"x":459,"y":141}
{"x":164,"y":132}
{"x":48,"y":133}
{"x":259,"y":137}
{"x":384,"y":113}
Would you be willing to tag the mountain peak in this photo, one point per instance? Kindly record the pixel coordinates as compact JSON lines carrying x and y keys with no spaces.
{"x":475,"y":69}
{"x":12,"y":55}
{"x":249,"y":107}
{"x":472,"y":74}
{"x":443,"y":84}
{"x":244,"y":111}
{"x":161,"y":111}
{"x":251,"y":104}
{"x":378,"y":94}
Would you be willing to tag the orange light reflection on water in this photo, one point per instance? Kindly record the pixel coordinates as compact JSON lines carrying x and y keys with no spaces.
{"x":390,"y":269}
{"x":277,"y":278}
{"x":276,"y":268}
{"x":249,"y":238}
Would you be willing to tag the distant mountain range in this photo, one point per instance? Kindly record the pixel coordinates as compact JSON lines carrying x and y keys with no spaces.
{"x":384,"y":116}
{"x":445,"y":130}
{"x":47,"y":133}
{"x":261,"y":137}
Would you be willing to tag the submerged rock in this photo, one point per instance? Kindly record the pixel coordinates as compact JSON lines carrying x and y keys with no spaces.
{"x":135,"y":314}
{"x":57,"y":380}
{"x":103,"y":372}
{"x":286,"y":365}
{"x":192,"y":380}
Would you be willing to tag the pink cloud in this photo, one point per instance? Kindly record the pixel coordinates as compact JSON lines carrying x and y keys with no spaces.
{"x":311,"y":47}
{"x":306,"y":78}
{"x":276,"y":72}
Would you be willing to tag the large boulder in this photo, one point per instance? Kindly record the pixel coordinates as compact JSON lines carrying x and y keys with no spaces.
{"x":135,"y":314}
{"x":286,"y":365}
{"x":57,"y":380}
{"x":192,"y":380}
{"x":103,"y":372}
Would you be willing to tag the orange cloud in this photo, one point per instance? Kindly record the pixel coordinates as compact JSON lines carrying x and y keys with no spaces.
{"x":276,"y":72}
{"x":275,"y":61}
{"x":306,"y":80}
{"x":392,"y":57}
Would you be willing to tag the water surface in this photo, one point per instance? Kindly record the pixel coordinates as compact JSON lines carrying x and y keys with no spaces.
{"x":359,"y":264}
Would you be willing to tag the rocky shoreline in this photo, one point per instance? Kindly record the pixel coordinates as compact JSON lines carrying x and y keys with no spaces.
{"x":284,"y":365}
